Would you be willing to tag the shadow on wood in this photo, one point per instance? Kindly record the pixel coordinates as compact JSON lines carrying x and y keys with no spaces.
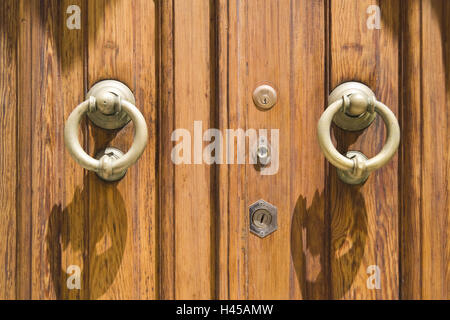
{"x":101,"y":246}
{"x":95,"y":236}
{"x":322,"y":272}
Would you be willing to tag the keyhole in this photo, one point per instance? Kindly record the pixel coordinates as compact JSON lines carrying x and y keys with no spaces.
{"x":262,"y":219}
{"x":265,"y":97}
{"x":265,"y":100}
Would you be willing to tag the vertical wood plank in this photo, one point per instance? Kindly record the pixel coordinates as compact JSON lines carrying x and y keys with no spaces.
{"x":111,"y":205}
{"x":281,"y":43}
{"x":193,"y":225}
{"x":435,"y":131}
{"x":237,"y":200}
{"x":122,"y":217}
{"x":146,"y":221}
{"x":24,"y":159}
{"x":222,"y":226}
{"x":47,"y":147}
{"x":52,"y":73}
{"x":364,"y":226}
{"x":411,"y":154}
{"x":166,"y":167}
{"x":8,"y":146}
{"x":267,"y":46}
{"x":66,"y":241}
{"x":446,"y":231}
{"x":308,"y":85}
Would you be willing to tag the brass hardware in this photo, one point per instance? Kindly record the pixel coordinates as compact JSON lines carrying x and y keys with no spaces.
{"x":263,"y":218}
{"x":355,"y":167}
{"x":354,"y":177}
{"x":265,"y":97}
{"x":109,"y":108}
{"x":110,"y":154}
{"x":108,"y":115}
{"x":354,"y":116}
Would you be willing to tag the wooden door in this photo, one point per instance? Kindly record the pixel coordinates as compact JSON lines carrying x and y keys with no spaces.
{"x":181,"y":231}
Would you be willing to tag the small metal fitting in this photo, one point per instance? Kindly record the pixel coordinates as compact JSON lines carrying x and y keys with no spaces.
{"x":263,"y":218}
{"x":261,"y":152}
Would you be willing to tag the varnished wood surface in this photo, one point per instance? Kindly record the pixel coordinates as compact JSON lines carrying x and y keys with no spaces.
{"x":8,"y":146}
{"x":67,"y":216}
{"x":266,"y":45}
{"x":166,"y":167}
{"x":435,"y":172}
{"x":123,"y":48}
{"x":182,"y":231}
{"x":364,"y":223}
{"x":194,"y":212}
{"x":410,"y":154}
{"x":24,"y":134}
{"x":424,"y":251}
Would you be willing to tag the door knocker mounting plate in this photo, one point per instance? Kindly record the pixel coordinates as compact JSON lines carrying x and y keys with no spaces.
{"x":102,"y":91}
{"x":345,"y":120}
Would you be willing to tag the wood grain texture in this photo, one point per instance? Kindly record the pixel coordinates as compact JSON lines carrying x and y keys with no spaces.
{"x":166,"y":171}
{"x":424,"y":167}
{"x":47,"y":145}
{"x":66,"y":216}
{"x":65,"y":243}
{"x":122,"y":215}
{"x":237,"y":248}
{"x":222,"y":225}
{"x":266,"y":45}
{"x":51,"y":224}
{"x":146,"y":215}
{"x":435,"y":133}
{"x":411,"y":154}
{"x":193,"y":205}
{"x":182,"y":231}
{"x":8,"y":146}
{"x":364,"y":226}
{"x":24,"y":160}
{"x":309,"y":225}
{"x":111,"y":211}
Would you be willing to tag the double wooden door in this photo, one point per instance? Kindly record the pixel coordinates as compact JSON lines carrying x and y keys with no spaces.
{"x":181,"y":231}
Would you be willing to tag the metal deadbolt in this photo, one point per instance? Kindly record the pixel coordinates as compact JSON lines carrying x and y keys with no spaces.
{"x":263,"y":218}
{"x":265,"y":97}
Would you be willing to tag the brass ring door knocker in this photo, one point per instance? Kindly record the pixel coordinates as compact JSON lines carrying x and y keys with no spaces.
{"x":353,"y":107}
{"x":110,"y":105}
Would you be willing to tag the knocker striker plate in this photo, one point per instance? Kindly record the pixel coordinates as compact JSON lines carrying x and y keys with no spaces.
{"x":345,"y":121}
{"x":116,"y":120}
{"x":348,"y":176}
{"x":115,"y":154}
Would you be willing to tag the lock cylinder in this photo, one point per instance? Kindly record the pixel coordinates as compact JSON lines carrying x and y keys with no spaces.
{"x":263,"y":218}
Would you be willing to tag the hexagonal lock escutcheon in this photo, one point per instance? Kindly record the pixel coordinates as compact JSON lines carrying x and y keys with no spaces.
{"x":263,"y":218}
